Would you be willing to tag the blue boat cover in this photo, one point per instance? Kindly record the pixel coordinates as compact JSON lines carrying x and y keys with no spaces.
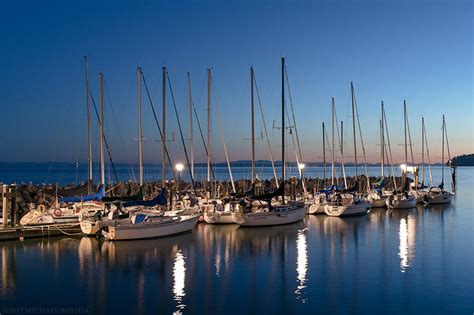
{"x":93,"y":197}
{"x":159,"y":200}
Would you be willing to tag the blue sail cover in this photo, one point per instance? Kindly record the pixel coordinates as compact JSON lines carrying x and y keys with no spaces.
{"x":329,"y":190}
{"x":94,"y":197}
{"x":159,"y":200}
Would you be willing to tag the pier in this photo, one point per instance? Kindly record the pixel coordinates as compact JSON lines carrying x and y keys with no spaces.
{"x":12,"y":230}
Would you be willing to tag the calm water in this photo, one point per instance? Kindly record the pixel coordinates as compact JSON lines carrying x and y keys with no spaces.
{"x":416,"y":261}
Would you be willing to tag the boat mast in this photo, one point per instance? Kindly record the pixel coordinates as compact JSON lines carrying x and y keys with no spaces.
{"x":190,"y":125}
{"x":422,"y":152}
{"x":163,"y":123}
{"x":208,"y":125}
{"x":342,"y":148}
{"x":89,"y":135}
{"x":332,"y":141}
{"x":405,"y":121}
{"x":253,"y":125}
{"x":283,"y":125}
{"x":140,"y":138}
{"x":382,"y":140}
{"x":442,"y":156}
{"x":353,"y":129}
{"x":324,"y":153}
{"x":102,"y":169}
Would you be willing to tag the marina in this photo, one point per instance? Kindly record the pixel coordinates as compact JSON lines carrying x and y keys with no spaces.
{"x":223,"y":157}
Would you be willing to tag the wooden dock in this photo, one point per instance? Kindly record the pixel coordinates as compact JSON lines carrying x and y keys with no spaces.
{"x":47,"y":230}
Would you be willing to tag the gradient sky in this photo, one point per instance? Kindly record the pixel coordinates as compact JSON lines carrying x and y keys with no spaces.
{"x":421,"y":51}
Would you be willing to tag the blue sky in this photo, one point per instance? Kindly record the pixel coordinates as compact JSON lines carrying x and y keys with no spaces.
{"x":421,"y":51}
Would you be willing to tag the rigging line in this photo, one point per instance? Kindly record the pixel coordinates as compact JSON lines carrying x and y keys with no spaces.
{"x":181,"y":133}
{"x":362,"y":143}
{"x":389,"y":150}
{"x":222,"y":135}
{"x":447,"y":141}
{"x":409,"y":141}
{"x":266,"y":131}
{"x":203,"y":142}
{"x":293,"y":114}
{"x":429,"y":160}
{"x":158,"y":125}
{"x":105,"y":139}
{"x":116,"y":123}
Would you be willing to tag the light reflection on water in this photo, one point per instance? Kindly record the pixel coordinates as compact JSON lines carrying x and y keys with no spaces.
{"x":301,"y":263}
{"x":391,"y":261}
{"x":179,"y":276}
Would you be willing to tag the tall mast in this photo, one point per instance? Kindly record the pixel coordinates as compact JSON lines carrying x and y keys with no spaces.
{"x":102,"y":168}
{"x":191,"y":125}
{"x":442,"y":156}
{"x":422,"y":152}
{"x":382,"y":138}
{"x":342,"y":149}
{"x":208,"y":125}
{"x":252,"y":123}
{"x":353,"y":128}
{"x":324,"y":152}
{"x":163,"y":124}
{"x":405,"y":116}
{"x":283,"y":124}
{"x":89,"y":135}
{"x":332,"y":141}
{"x":140,"y":138}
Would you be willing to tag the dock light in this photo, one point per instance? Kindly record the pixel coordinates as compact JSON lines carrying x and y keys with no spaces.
{"x":403,"y":167}
{"x":301,"y":166}
{"x":179,"y":167}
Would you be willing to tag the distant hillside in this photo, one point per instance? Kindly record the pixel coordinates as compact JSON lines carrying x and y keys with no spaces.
{"x":464,"y":160}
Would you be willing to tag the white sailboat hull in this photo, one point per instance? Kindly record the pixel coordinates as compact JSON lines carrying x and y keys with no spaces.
{"x":224,"y":217}
{"x":440,"y":199}
{"x":286,"y":215}
{"x":378,"y":203}
{"x":402,"y":204}
{"x":129,"y":231}
{"x":90,"y":227}
{"x":317,"y":209}
{"x":359,"y":208}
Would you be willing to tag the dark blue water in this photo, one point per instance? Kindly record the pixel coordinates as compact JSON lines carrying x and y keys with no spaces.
{"x":67,"y":173}
{"x":418,"y":261}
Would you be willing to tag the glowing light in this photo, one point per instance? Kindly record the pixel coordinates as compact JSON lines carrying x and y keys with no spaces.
{"x":179,"y":167}
{"x":179,"y":275}
{"x":301,"y":166}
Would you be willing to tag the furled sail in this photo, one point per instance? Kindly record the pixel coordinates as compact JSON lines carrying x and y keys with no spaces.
{"x":159,"y":200}
{"x":93,"y":197}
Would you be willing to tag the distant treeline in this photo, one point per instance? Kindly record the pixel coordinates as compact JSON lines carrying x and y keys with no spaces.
{"x":464,"y":160}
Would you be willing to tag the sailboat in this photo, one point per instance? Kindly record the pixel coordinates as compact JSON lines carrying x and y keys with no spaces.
{"x":376,"y":196}
{"x":143,"y":225}
{"x":347,"y":202}
{"x":403,"y":199}
{"x":218,"y":210}
{"x":284,"y":212}
{"x":73,"y":203}
{"x":437,"y":195}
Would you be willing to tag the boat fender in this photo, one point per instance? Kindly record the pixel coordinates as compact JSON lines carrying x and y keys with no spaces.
{"x":57,"y":212}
